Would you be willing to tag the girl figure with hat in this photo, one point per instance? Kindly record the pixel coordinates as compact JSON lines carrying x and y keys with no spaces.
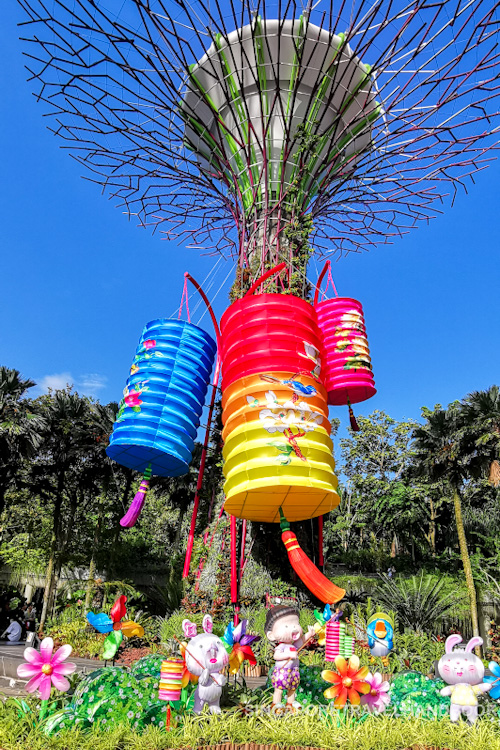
{"x":285,"y":632}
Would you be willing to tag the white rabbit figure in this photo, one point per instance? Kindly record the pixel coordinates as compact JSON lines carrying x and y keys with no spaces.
{"x":205,"y":656}
{"x":464,"y":673}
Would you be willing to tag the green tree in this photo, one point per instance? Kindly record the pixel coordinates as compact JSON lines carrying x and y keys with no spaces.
{"x":444,"y":453}
{"x":376,"y":497}
{"x":482,"y":415}
{"x":21,"y":427}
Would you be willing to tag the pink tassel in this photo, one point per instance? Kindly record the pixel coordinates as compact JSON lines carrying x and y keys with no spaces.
{"x":133,"y":513}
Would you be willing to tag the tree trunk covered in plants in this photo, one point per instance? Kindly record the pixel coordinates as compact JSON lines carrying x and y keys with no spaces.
{"x":464,"y":552}
{"x":51,"y":567}
{"x":95,"y":546}
{"x":432,"y":526}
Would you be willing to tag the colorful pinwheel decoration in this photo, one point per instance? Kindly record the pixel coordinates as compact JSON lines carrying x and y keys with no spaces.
{"x":320,"y":624}
{"x":113,"y":625}
{"x":348,"y":682}
{"x":237,"y":644}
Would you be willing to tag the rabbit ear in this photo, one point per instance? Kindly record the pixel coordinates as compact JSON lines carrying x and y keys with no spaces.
{"x":476,"y":641}
{"x":207,"y":624}
{"x":189,"y":628}
{"x":451,"y":642}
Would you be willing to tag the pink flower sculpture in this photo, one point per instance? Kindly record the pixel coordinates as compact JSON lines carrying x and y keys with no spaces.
{"x":378,"y":698}
{"x":149,"y":344}
{"x":46,"y":669}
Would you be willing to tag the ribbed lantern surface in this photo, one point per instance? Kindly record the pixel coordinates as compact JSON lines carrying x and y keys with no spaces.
{"x":277,"y":445}
{"x":347,"y":368}
{"x":162,"y":402}
{"x":171,"y":674}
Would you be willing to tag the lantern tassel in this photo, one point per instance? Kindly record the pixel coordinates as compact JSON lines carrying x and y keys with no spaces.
{"x":133,"y":513}
{"x":352,"y":419}
{"x":317,"y":583}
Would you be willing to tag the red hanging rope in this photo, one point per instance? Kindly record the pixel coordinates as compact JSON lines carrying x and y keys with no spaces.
{"x":327,"y":267}
{"x":201,"y":472}
{"x":234,"y":563}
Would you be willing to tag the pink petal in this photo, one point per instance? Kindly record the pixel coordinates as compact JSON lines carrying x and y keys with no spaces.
{"x":28,"y":670}
{"x":377,"y":679}
{"x":33,"y":684}
{"x":46,"y":648}
{"x":60,"y":683}
{"x":369,"y":678}
{"x":384,"y":687}
{"x":45,"y":687}
{"x":31,"y":655}
{"x":60,"y":669}
{"x":61,"y":654}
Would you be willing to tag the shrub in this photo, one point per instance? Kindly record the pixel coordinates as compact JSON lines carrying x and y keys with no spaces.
{"x":420,"y":602}
{"x":86,"y":642}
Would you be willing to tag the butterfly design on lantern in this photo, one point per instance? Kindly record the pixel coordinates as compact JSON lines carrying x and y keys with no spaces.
{"x":115,"y":626}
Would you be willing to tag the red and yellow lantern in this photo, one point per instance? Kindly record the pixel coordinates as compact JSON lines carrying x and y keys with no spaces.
{"x":277,"y":445}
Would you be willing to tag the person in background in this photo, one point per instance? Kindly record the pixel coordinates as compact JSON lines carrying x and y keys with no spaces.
{"x":13,"y":632}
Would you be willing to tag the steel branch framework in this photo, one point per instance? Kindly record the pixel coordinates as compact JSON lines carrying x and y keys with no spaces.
{"x":219,"y":123}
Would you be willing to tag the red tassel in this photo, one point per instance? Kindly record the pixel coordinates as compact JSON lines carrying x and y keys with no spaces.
{"x":352,"y":419}
{"x":168,"y":717}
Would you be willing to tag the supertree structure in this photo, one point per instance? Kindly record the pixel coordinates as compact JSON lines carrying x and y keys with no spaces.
{"x":253,"y":129}
{"x":260,"y":131}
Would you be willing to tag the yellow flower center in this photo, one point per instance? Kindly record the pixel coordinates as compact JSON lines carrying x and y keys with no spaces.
{"x":347,"y":682}
{"x":47,"y":669}
{"x":373,"y":691}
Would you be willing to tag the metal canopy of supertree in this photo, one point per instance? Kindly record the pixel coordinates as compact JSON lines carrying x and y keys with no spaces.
{"x":242,"y":128}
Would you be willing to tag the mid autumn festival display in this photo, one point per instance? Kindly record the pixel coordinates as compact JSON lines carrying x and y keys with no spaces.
{"x":266,"y":135}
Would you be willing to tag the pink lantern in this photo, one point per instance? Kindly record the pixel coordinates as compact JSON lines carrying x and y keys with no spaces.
{"x":346,"y":362}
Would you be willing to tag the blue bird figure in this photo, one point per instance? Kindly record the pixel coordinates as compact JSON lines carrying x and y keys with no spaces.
{"x":300,"y":388}
{"x":380,"y":631}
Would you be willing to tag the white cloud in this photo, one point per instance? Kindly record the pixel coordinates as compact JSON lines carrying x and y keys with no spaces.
{"x":56,"y":382}
{"x":91,"y":384}
{"x":87,"y":385}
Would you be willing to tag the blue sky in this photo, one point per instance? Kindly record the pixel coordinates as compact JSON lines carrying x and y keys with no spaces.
{"x":79,"y":280}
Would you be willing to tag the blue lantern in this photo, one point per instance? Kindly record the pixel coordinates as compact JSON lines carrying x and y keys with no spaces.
{"x":160,"y":412}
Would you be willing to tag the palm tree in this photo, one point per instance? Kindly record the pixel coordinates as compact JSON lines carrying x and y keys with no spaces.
{"x":67,"y":440}
{"x":482,"y":414}
{"x":444,"y":453}
{"x":21,"y":427}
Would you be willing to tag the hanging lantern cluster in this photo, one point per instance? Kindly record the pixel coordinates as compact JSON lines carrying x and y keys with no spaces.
{"x":277,"y":446}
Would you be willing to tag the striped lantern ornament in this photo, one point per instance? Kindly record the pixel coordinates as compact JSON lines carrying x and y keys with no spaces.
{"x":172,"y":671}
{"x":277,"y":445}
{"x":338,"y":643}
